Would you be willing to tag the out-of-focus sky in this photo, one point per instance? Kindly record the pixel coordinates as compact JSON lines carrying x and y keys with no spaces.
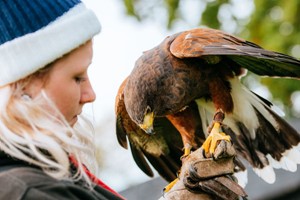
{"x":116,"y":48}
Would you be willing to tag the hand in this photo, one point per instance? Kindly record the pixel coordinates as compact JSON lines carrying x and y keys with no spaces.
{"x":204,"y":178}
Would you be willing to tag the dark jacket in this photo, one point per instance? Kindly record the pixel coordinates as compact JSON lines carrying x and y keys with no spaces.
{"x":21,"y":181}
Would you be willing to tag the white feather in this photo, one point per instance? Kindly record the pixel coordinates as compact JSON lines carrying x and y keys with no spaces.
{"x":298,"y":147}
{"x":288,"y":165}
{"x":267,"y":174}
{"x":244,"y":100}
{"x":188,"y":36}
{"x":207,"y":110}
{"x":204,"y":118}
{"x":278,"y":111}
{"x":293,"y":154}
{"x":289,"y":160}
{"x":242,"y":178}
{"x":274,"y":163}
{"x":243,"y":111}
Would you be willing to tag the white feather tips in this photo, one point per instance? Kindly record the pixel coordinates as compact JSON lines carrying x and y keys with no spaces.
{"x":242,"y":178}
{"x":293,"y":154}
{"x":298,"y":147}
{"x":267,"y":174}
{"x":289,"y":160}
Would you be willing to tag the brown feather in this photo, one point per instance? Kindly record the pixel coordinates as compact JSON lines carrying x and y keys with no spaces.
{"x":192,"y":43}
{"x":162,"y":150}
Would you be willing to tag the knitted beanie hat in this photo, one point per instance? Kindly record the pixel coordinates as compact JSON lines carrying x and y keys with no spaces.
{"x":34,"y":33}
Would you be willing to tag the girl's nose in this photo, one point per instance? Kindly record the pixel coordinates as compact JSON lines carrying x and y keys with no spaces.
{"x":88,"y":95}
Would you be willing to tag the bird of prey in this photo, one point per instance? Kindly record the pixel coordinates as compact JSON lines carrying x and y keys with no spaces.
{"x":189,"y":85}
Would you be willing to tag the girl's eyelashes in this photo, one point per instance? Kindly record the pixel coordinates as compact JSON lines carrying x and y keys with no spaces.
{"x":79,"y":79}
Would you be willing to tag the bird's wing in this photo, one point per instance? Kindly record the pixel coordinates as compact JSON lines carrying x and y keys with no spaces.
{"x":162,"y":150}
{"x":209,"y":42}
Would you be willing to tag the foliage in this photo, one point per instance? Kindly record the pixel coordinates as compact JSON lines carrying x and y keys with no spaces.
{"x":273,"y":24}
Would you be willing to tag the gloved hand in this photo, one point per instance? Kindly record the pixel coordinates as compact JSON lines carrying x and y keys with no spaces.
{"x":204,"y":178}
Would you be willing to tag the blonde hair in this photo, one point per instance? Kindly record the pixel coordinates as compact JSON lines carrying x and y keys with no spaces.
{"x":43,"y":137}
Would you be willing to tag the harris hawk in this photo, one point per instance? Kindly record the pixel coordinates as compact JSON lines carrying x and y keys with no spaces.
{"x":189,"y":85}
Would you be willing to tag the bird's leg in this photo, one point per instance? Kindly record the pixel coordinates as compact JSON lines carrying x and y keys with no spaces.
{"x":215,"y":135}
{"x":186,"y":128}
{"x":186,"y":139}
{"x":187,"y":149}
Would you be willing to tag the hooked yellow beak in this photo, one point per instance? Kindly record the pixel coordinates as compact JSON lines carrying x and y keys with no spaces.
{"x":147,"y":125}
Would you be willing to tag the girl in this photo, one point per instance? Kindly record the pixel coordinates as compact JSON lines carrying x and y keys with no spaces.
{"x":45,"y":145}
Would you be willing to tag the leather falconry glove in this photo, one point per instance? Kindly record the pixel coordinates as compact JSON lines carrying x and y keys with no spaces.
{"x":204,"y":178}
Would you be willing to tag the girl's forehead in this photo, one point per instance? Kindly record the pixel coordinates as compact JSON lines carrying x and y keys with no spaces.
{"x":76,"y":61}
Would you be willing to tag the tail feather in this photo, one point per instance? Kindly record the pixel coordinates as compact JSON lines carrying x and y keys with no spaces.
{"x":277,"y":142}
{"x":242,"y":178}
{"x":293,"y":154}
{"x":260,"y":135}
{"x":288,"y":164}
{"x":271,"y":148}
{"x":269,"y":140}
{"x":267,"y":174}
{"x":290,"y":159}
{"x":273,"y":135}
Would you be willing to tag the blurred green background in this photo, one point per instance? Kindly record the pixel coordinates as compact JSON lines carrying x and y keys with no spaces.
{"x":272,"y":24}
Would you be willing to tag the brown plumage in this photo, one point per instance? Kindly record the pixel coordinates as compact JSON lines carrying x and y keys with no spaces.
{"x":163,"y":149}
{"x":203,"y":66}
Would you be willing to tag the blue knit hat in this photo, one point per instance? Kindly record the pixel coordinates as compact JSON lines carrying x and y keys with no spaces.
{"x":34,"y":33}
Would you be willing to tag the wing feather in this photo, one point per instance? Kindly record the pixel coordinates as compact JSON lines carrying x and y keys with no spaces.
{"x":162,"y":166}
{"x":121,"y":134}
{"x":140,"y":160}
{"x":208,"y":42}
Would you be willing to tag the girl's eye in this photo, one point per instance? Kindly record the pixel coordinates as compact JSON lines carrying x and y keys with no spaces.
{"x":79,"y":79}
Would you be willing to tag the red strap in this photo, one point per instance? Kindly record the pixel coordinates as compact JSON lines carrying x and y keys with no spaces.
{"x":100,"y":183}
{"x":95,"y":179}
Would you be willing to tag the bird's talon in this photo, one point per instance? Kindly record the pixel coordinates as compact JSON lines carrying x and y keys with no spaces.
{"x":170,"y":186}
{"x":214,"y":138}
{"x":187,"y":151}
{"x":183,"y":157}
{"x":204,"y":154}
{"x":213,"y":157}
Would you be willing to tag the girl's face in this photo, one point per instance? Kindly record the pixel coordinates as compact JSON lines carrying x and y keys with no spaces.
{"x":68,"y":84}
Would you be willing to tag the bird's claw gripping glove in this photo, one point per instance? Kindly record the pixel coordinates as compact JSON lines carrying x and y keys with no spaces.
{"x":208,"y":178}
